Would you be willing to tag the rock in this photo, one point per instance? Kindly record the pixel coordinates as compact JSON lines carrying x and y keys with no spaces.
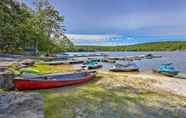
{"x":19,"y":66}
{"x":6,"y":80}
{"x":25,"y":63}
{"x":21,"y":105}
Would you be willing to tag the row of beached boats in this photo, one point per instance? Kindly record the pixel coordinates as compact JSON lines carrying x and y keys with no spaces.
{"x":63,"y":56}
{"x":31,"y":79}
{"x":130,"y":66}
{"x":95,"y":64}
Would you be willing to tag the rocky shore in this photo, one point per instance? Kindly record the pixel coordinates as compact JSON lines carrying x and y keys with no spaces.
{"x":21,"y":105}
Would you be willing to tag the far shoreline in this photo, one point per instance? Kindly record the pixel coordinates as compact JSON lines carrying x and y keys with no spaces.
{"x":153,"y":46}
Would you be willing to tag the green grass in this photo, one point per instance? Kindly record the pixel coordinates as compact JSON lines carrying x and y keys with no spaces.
{"x":43,"y":69}
{"x":90,"y":100}
{"x":53,"y":69}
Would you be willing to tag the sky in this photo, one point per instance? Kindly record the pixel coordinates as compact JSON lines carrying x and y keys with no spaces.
{"x":122,"y":22}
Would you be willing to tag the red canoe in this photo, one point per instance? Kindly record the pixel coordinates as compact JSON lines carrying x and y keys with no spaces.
{"x":52,"y":80}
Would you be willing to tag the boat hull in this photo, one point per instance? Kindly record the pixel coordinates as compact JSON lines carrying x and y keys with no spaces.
{"x":28,"y":84}
{"x":170,"y":74}
{"x":91,"y":67}
{"x":94,"y":67}
{"x":125,"y":70}
{"x":64,"y":62}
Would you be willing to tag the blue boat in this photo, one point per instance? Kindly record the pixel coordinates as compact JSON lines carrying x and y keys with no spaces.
{"x":167,"y":69}
{"x":91,"y":64}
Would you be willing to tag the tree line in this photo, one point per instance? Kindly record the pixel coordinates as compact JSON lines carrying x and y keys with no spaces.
{"x":155,"y":46}
{"x":38,"y":26}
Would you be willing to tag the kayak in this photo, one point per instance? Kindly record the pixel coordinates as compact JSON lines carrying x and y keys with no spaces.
{"x":29,"y":70}
{"x":34,"y":82}
{"x":125,"y":68}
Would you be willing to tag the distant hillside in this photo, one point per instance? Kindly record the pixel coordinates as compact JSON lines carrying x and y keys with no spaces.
{"x":155,"y":46}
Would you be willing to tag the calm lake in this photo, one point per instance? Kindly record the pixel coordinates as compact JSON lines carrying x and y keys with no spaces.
{"x":177,"y":58}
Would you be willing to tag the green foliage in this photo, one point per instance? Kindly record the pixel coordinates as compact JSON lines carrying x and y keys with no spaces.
{"x":64,"y":44}
{"x":23,"y":27}
{"x":156,"y":46}
{"x":11,"y":15}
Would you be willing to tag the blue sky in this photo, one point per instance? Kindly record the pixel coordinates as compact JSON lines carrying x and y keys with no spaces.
{"x":122,"y":22}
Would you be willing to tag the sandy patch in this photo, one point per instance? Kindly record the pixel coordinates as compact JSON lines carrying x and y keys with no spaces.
{"x":146,"y":80}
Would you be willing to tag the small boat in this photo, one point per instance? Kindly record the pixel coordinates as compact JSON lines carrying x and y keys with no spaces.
{"x":108,"y":61}
{"x":94,"y":59}
{"x":53,"y":62}
{"x":72,"y":61}
{"x":130,"y":67}
{"x":54,"y":57}
{"x":91,"y":64}
{"x":33,"y":82}
{"x":151,"y":56}
{"x":167,"y":69}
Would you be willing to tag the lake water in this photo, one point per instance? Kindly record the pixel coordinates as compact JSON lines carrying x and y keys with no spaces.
{"x":177,"y":58}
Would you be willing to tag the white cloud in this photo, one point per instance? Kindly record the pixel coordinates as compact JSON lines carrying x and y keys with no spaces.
{"x":96,"y":37}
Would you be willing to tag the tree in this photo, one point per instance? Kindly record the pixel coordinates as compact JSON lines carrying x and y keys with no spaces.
{"x":24,"y":27}
{"x":11,"y":14}
{"x":51,"y":21}
{"x":65,"y":44}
